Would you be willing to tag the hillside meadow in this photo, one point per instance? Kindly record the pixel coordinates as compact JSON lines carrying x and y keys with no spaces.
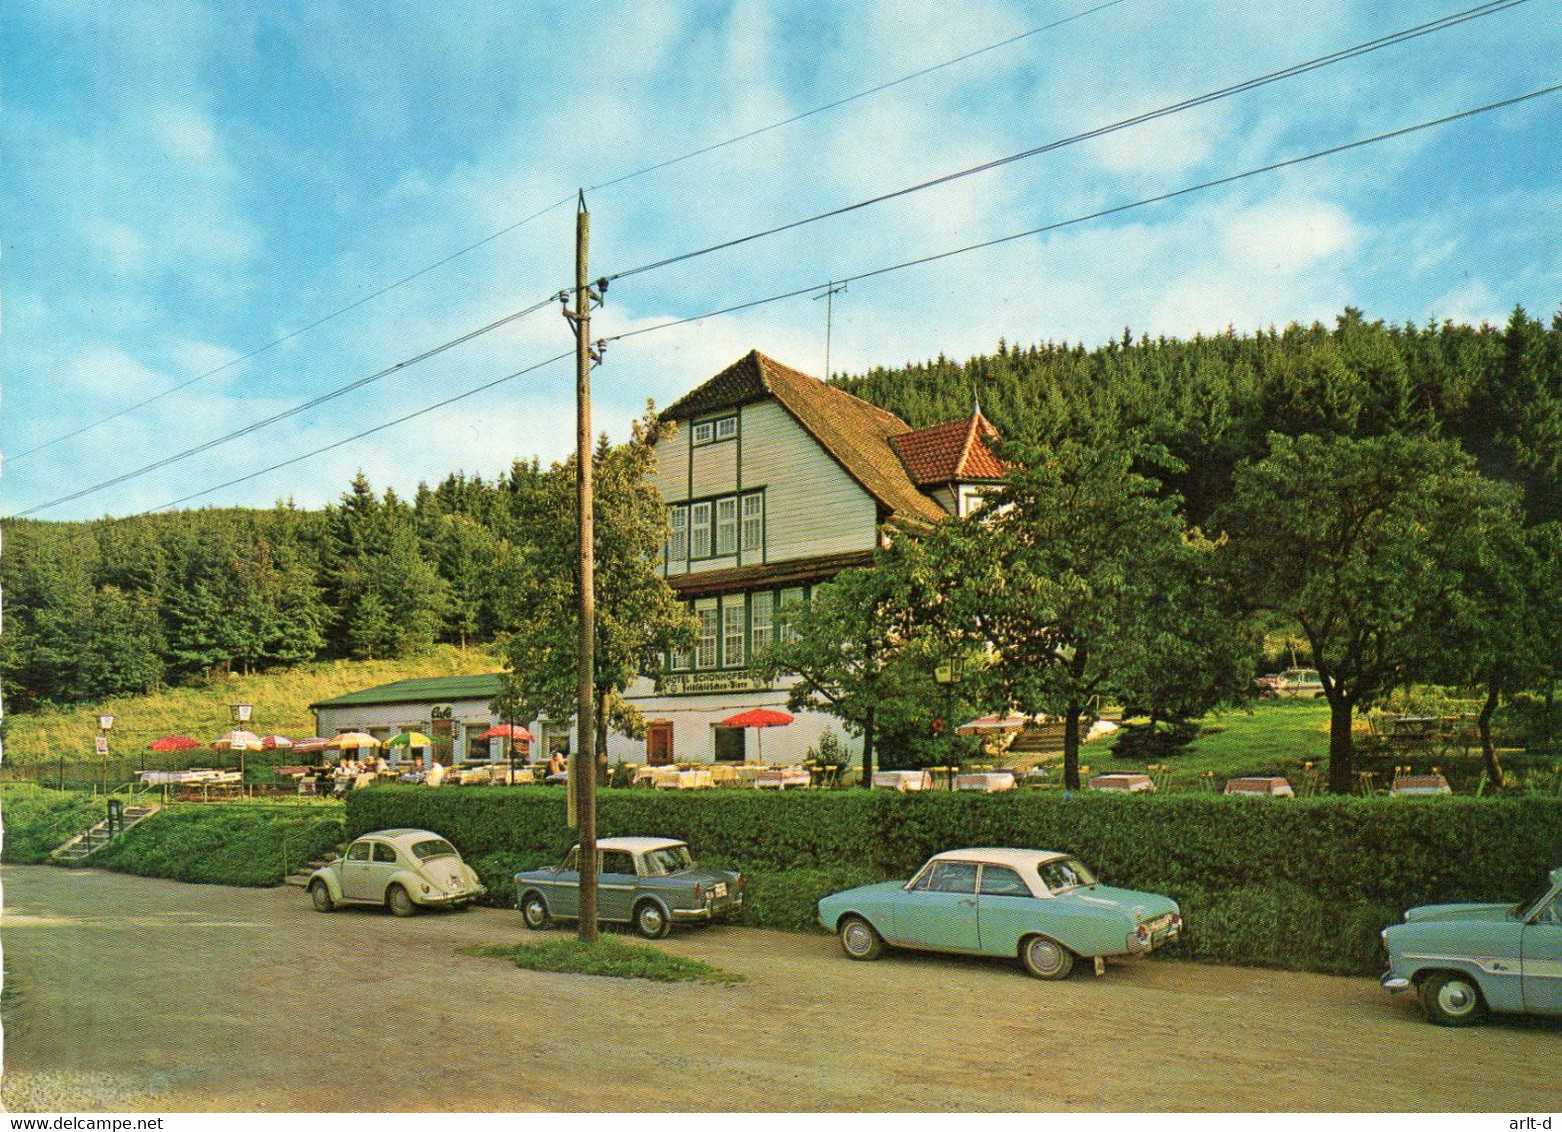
{"x":280,"y":699}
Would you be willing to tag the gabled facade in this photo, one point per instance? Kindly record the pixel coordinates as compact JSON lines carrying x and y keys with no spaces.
{"x":775,"y":482}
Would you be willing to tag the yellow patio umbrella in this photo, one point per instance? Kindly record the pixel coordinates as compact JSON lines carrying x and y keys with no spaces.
{"x":352,"y":740}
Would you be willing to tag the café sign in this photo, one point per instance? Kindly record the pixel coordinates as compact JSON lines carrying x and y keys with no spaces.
{"x":706,"y":683}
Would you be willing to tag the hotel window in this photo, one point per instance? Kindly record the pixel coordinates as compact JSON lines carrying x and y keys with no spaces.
{"x":678,"y":538}
{"x":700,"y":545}
{"x":680,"y":660}
{"x":792,"y":597}
{"x":732,"y":631}
{"x":762,"y":619}
{"x":753,"y":522}
{"x":726,"y":526}
{"x":722,"y":428}
{"x":705,"y":643}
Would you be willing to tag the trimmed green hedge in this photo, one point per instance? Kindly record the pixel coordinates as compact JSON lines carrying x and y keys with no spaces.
{"x":1303,"y":883}
{"x":233,"y":843}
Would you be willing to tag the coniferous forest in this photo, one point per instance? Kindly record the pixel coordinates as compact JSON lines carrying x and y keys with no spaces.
{"x":120,"y":606}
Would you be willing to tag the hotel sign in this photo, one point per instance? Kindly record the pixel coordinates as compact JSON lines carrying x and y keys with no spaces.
{"x":705,"y":683}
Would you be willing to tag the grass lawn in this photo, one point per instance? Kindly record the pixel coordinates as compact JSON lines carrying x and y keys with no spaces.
{"x":281,"y":701}
{"x":609,"y":957}
{"x":38,"y":821}
{"x":250,"y":844}
{"x":1275,"y":737}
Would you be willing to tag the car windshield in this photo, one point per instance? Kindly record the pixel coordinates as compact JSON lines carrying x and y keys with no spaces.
{"x":668,"y":859}
{"x":434,"y":847}
{"x":1064,"y":873}
{"x":1532,"y":899}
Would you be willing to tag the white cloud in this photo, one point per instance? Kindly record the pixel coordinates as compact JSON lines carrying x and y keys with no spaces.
{"x":185,"y":134}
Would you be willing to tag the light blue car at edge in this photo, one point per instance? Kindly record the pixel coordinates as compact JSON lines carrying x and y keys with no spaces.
{"x":1467,"y":960}
{"x":1042,"y":907}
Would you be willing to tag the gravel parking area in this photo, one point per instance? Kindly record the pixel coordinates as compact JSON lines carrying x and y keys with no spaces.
{"x":134,"y":994}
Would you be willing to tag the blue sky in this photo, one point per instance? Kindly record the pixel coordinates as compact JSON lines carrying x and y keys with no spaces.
{"x":188,"y":182}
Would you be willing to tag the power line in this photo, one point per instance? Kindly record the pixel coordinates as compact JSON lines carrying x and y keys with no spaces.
{"x":813,"y":288}
{"x":860,"y":94}
{"x":354,"y":305}
{"x":620,"y":179}
{"x":313,"y":402}
{"x":367,"y":432}
{"x":1321,"y":61}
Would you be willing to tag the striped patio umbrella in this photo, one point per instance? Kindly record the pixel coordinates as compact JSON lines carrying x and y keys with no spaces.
{"x":409,"y":739}
{"x":273,"y":742}
{"x":314,"y":744}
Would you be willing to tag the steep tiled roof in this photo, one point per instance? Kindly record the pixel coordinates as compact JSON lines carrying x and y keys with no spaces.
{"x":857,"y":434}
{"x":948,"y":452}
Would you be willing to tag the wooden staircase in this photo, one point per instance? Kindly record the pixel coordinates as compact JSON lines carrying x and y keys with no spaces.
{"x":78,"y":849}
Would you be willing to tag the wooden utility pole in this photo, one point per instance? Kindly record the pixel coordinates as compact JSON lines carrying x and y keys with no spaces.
{"x":583,"y":755}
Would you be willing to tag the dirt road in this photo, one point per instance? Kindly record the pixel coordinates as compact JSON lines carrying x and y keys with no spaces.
{"x":149,"y":995}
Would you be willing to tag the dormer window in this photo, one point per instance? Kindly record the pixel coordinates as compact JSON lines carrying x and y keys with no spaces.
{"x":712,"y":431}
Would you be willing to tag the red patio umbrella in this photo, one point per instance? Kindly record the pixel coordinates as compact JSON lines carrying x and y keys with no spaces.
{"x":759,"y":719}
{"x":506,"y":731}
{"x":272,"y":742}
{"x":173,"y":743}
{"x":309,"y":746}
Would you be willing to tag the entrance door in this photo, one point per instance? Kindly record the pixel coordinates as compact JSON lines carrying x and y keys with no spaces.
{"x":441,"y":732}
{"x":729,"y":745}
{"x":659,"y":742}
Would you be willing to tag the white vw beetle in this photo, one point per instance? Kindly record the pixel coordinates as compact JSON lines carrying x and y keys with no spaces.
{"x":400,"y":869}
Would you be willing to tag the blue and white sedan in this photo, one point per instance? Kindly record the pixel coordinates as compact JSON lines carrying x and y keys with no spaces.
{"x":1043,"y":907}
{"x":649,"y":882}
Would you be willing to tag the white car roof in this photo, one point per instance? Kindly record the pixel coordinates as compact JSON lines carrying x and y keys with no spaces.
{"x":637,"y":844}
{"x":1021,"y":859}
{"x":402,"y":835}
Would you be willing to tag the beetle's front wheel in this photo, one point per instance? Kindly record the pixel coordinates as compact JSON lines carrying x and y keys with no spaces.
{"x":1046,"y":958}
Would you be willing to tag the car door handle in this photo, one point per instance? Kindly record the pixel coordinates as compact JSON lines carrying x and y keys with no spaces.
{"x":970,"y":903}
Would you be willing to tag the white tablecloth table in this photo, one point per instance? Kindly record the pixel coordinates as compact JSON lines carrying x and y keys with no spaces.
{"x":986,"y":782}
{"x":903,"y":780}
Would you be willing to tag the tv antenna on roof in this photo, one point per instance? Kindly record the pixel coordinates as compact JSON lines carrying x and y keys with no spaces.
{"x":828,"y":295}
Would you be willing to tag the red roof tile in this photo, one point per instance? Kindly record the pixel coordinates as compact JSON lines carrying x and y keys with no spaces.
{"x":948,"y":452}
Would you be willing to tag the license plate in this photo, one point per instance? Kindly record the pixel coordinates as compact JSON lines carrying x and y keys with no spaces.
{"x":720,"y":889}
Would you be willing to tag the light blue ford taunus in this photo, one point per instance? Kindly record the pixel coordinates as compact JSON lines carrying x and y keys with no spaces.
{"x":1467,"y":959}
{"x":1045,"y":908}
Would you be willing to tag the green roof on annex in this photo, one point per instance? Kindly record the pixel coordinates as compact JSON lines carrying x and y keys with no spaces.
{"x":420,"y":690}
